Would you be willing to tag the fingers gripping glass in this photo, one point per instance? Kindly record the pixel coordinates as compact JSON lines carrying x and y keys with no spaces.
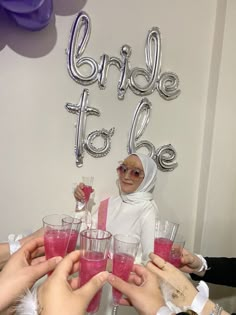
{"x":134,"y":173}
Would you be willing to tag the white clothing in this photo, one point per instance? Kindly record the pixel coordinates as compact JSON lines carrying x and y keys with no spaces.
{"x":123,"y":218}
{"x":135,"y":213}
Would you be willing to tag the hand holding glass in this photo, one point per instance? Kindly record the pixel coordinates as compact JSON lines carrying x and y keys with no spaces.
{"x":165,"y":232}
{"x":94,"y":245}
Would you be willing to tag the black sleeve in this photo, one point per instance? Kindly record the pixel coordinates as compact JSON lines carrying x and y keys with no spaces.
{"x":222,"y":270}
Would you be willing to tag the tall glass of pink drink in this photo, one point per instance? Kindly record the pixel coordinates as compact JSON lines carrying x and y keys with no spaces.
{"x":73,"y":232}
{"x":165,"y":232}
{"x":124,"y":252}
{"x":94,"y":245}
{"x":56,"y":236}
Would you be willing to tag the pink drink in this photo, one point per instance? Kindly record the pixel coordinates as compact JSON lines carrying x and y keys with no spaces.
{"x":55,"y":243}
{"x":91,"y":264}
{"x":87,"y":191}
{"x":175,"y":260}
{"x":162,"y":247}
{"x":73,"y":236}
{"x":122,"y":265}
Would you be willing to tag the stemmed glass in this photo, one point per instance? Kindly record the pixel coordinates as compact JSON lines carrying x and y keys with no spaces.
{"x":87,"y":189}
{"x":81,"y":208}
{"x":125,"y":248}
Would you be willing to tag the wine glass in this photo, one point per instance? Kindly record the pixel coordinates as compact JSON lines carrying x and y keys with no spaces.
{"x":81,"y":208}
{"x":124,"y":252}
{"x":87,"y":189}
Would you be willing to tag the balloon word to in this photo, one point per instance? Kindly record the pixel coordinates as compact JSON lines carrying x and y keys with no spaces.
{"x":166,"y":83}
{"x":165,"y":155}
{"x":82,"y":110}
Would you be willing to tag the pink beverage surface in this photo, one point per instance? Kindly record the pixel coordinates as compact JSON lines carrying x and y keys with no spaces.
{"x":73,"y":237}
{"x":55,"y":243}
{"x":122,"y":266}
{"x":162,"y":247}
{"x":87,"y":191}
{"x":90,"y":265}
{"x":175,"y":260}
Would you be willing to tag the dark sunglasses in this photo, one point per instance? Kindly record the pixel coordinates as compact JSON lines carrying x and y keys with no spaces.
{"x":134,"y":173}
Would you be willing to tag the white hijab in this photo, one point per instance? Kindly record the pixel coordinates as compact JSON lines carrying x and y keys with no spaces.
{"x":144,"y":191}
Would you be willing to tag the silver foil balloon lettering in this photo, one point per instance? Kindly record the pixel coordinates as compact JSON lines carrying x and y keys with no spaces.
{"x":167,"y":83}
{"x":82,"y":110}
{"x":165,"y":155}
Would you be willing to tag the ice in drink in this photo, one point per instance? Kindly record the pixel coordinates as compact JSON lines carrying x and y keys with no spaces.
{"x":162,"y":247}
{"x":91,"y":264}
{"x":122,"y":266}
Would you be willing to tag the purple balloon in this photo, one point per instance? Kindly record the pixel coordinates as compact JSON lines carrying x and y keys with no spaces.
{"x":37,"y":19}
{"x":21,"y":6}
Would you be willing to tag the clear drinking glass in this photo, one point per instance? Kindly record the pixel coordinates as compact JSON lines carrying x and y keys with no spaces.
{"x":125,"y":248}
{"x":165,"y":232}
{"x":177,"y":250}
{"x":94,"y":245}
{"x":75,"y":225}
{"x":56,"y":235}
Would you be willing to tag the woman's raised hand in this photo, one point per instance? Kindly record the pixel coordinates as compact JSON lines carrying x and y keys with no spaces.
{"x":78,"y":192}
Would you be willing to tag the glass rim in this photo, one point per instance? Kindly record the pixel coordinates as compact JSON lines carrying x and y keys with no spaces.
{"x":133,"y":238}
{"x":61,"y":215}
{"x":96,"y":234}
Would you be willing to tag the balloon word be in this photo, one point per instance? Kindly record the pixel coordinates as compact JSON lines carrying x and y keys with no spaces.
{"x":165,"y":83}
{"x":82,"y":110}
{"x":165,"y":155}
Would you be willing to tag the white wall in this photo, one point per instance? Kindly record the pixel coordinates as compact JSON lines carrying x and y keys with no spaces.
{"x":37,"y":134}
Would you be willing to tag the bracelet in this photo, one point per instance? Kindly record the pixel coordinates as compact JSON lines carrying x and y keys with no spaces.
{"x":164,"y":310}
{"x":204,"y":263}
{"x":216,"y":310}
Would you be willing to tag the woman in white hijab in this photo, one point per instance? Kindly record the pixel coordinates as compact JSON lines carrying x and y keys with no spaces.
{"x":133,"y":211}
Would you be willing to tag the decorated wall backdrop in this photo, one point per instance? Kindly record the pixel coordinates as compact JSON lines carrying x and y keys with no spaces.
{"x":37,"y":160}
